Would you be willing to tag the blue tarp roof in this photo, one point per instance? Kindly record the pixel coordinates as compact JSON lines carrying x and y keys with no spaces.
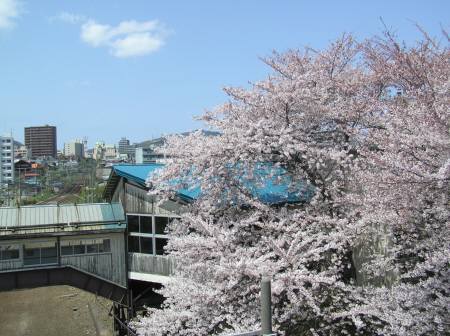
{"x":268,"y":191}
{"x":139,"y":173}
{"x":136,"y":172}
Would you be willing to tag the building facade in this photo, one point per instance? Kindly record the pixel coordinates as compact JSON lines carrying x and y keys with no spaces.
{"x":147,"y":222}
{"x":105,"y":152}
{"x":125,"y":148}
{"x":6,"y":160}
{"x":74,"y":150}
{"x":86,"y":238}
{"x":21,"y":153}
{"x":124,"y":144}
{"x":110,"y":152}
{"x":41,"y":141}
{"x":99,"y":151}
{"x":148,"y":155}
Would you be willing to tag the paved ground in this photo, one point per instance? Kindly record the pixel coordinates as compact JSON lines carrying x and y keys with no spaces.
{"x":53,"y":311}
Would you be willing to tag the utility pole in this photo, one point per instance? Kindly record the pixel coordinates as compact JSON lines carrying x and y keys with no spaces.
{"x":266,"y":307}
{"x":20,"y":190}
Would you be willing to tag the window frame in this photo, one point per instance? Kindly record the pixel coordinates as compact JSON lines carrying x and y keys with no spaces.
{"x":82,"y":242}
{"x":10,"y":259}
{"x":40,"y":253}
{"x":152,"y":235}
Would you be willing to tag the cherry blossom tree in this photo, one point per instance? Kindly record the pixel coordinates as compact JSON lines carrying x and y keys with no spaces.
{"x":367,"y":252}
{"x":407,"y":191}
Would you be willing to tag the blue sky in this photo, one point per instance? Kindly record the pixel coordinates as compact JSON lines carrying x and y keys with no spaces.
{"x":107,"y":69}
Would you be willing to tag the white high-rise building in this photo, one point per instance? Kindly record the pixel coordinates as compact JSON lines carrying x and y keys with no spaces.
{"x":6,"y":160}
{"x":74,"y":149}
{"x":21,"y":152}
{"x":85,"y":146}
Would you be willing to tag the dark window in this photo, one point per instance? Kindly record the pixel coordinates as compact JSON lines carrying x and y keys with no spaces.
{"x":146,"y":224}
{"x":161,"y":225}
{"x":133,"y":223}
{"x":9,"y":252}
{"x":71,"y":247}
{"x":40,"y":253}
{"x":160,"y":243}
{"x":79,"y":248}
{"x":92,"y":247}
{"x":105,"y":246}
{"x":146,"y":245}
{"x":49,"y":254}
{"x":31,"y":256}
{"x":133,"y":244}
{"x":66,"y":249}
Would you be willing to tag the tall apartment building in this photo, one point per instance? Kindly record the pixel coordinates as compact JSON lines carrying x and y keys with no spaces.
{"x":124,"y":143}
{"x":74,"y":149}
{"x":6,"y":160}
{"x":41,"y":141}
{"x":126,"y":148}
{"x":85,"y":147}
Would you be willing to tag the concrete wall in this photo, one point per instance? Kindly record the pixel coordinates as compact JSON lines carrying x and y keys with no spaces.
{"x":145,"y":263}
{"x":108,"y":265}
{"x":138,"y":201}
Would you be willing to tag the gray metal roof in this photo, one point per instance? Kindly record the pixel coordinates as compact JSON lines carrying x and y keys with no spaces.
{"x":37,"y":215}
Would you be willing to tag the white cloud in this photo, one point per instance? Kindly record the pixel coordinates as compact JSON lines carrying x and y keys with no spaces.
{"x":96,"y":34}
{"x":129,"y":38}
{"x":136,"y":45}
{"x":69,"y":18}
{"x":9,"y":11}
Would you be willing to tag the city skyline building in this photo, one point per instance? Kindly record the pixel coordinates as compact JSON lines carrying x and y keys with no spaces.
{"x":6,"y":160}
{"x":148,"y":155}
{"x":126,"y":149}
{"x":20,"y":152}
{"x":124,"y":144}
{"x":41,"y":141}
{"x":110,"y":152}
{"x":85,"y":146}
{"x":74,"y":149}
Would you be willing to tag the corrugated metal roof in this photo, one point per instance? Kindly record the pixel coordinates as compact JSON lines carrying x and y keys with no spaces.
{"x":61,"y":214}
